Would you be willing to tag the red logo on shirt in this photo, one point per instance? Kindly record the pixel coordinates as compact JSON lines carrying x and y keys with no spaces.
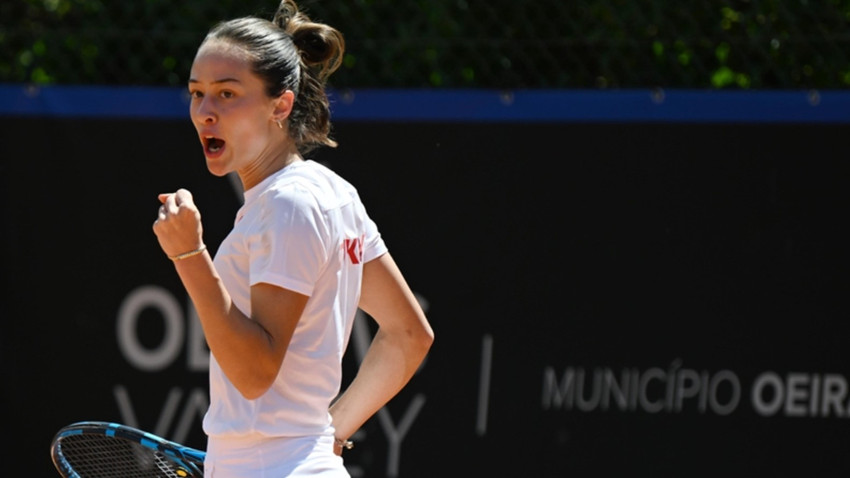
{"x":354,"y":249}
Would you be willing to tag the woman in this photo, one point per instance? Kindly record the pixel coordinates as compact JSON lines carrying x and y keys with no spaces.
{"x":277,"y":302}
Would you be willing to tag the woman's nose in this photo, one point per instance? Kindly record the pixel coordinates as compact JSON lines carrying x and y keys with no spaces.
{"x":204,"y":112}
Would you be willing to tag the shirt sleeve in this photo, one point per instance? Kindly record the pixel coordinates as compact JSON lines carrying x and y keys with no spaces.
{"x":373,"y":243}
{"x":290,"y":249}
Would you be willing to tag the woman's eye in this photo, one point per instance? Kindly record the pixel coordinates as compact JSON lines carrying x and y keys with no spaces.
{"x":196,"y":94}
{"x":227,"y":94}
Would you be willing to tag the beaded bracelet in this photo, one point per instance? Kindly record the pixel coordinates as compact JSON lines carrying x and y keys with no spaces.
{"x":189,"y":254}
{"x":347,"y":444}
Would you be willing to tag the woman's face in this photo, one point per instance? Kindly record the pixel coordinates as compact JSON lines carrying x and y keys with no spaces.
{"x":234,"y":117}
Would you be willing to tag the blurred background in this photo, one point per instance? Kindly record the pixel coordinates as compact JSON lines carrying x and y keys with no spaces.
{"x":749,"y":44}
{"x":624,"y":220}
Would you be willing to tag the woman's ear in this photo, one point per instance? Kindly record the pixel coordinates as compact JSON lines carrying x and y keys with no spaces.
{"x":283,"y":105}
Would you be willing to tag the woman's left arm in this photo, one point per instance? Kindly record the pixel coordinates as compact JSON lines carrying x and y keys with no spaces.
{"x":403,"y":339}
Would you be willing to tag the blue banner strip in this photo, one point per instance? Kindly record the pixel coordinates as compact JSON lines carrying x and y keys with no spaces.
{"x":765,"y":106}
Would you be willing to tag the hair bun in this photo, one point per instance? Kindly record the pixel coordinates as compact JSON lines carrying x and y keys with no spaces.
{"x":319,"y":45}
{"x":286,"y":11}
{"x":314,"y":48}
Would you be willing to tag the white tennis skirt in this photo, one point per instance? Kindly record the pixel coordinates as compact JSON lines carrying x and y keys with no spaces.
{"x":280,"y":457}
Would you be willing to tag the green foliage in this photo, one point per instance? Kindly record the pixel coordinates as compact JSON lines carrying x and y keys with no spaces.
{"x":454,"y":43}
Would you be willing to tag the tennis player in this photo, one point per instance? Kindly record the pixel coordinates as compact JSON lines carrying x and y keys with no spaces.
{"x":277,"y":302}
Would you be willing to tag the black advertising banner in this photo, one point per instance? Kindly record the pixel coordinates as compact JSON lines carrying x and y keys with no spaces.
{"x":609,"y":297}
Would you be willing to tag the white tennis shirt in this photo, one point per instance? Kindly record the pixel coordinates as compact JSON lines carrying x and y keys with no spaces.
{"x":305,"y":229}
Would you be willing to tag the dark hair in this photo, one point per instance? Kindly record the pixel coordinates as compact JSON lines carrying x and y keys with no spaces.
{"x":291,"y":52}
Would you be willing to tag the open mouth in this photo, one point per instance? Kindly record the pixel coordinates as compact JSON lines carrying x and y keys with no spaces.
{"x":213,"y":144}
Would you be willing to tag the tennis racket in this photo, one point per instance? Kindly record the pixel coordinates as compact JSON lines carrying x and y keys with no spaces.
{"x":111,"y":450}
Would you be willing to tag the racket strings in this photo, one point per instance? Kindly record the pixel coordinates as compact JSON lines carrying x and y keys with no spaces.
{"x":95,"y":456}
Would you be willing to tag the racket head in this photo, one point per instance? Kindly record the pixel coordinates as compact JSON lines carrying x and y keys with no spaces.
{"x":95,"y":449}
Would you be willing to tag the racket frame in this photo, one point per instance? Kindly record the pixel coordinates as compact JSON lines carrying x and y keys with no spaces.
{"x":190,"y":459}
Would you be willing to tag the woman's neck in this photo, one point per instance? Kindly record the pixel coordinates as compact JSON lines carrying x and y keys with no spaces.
{"x":250,"y":177}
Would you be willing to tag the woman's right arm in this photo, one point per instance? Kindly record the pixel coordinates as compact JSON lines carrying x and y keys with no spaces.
{"x":250,"y":350}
